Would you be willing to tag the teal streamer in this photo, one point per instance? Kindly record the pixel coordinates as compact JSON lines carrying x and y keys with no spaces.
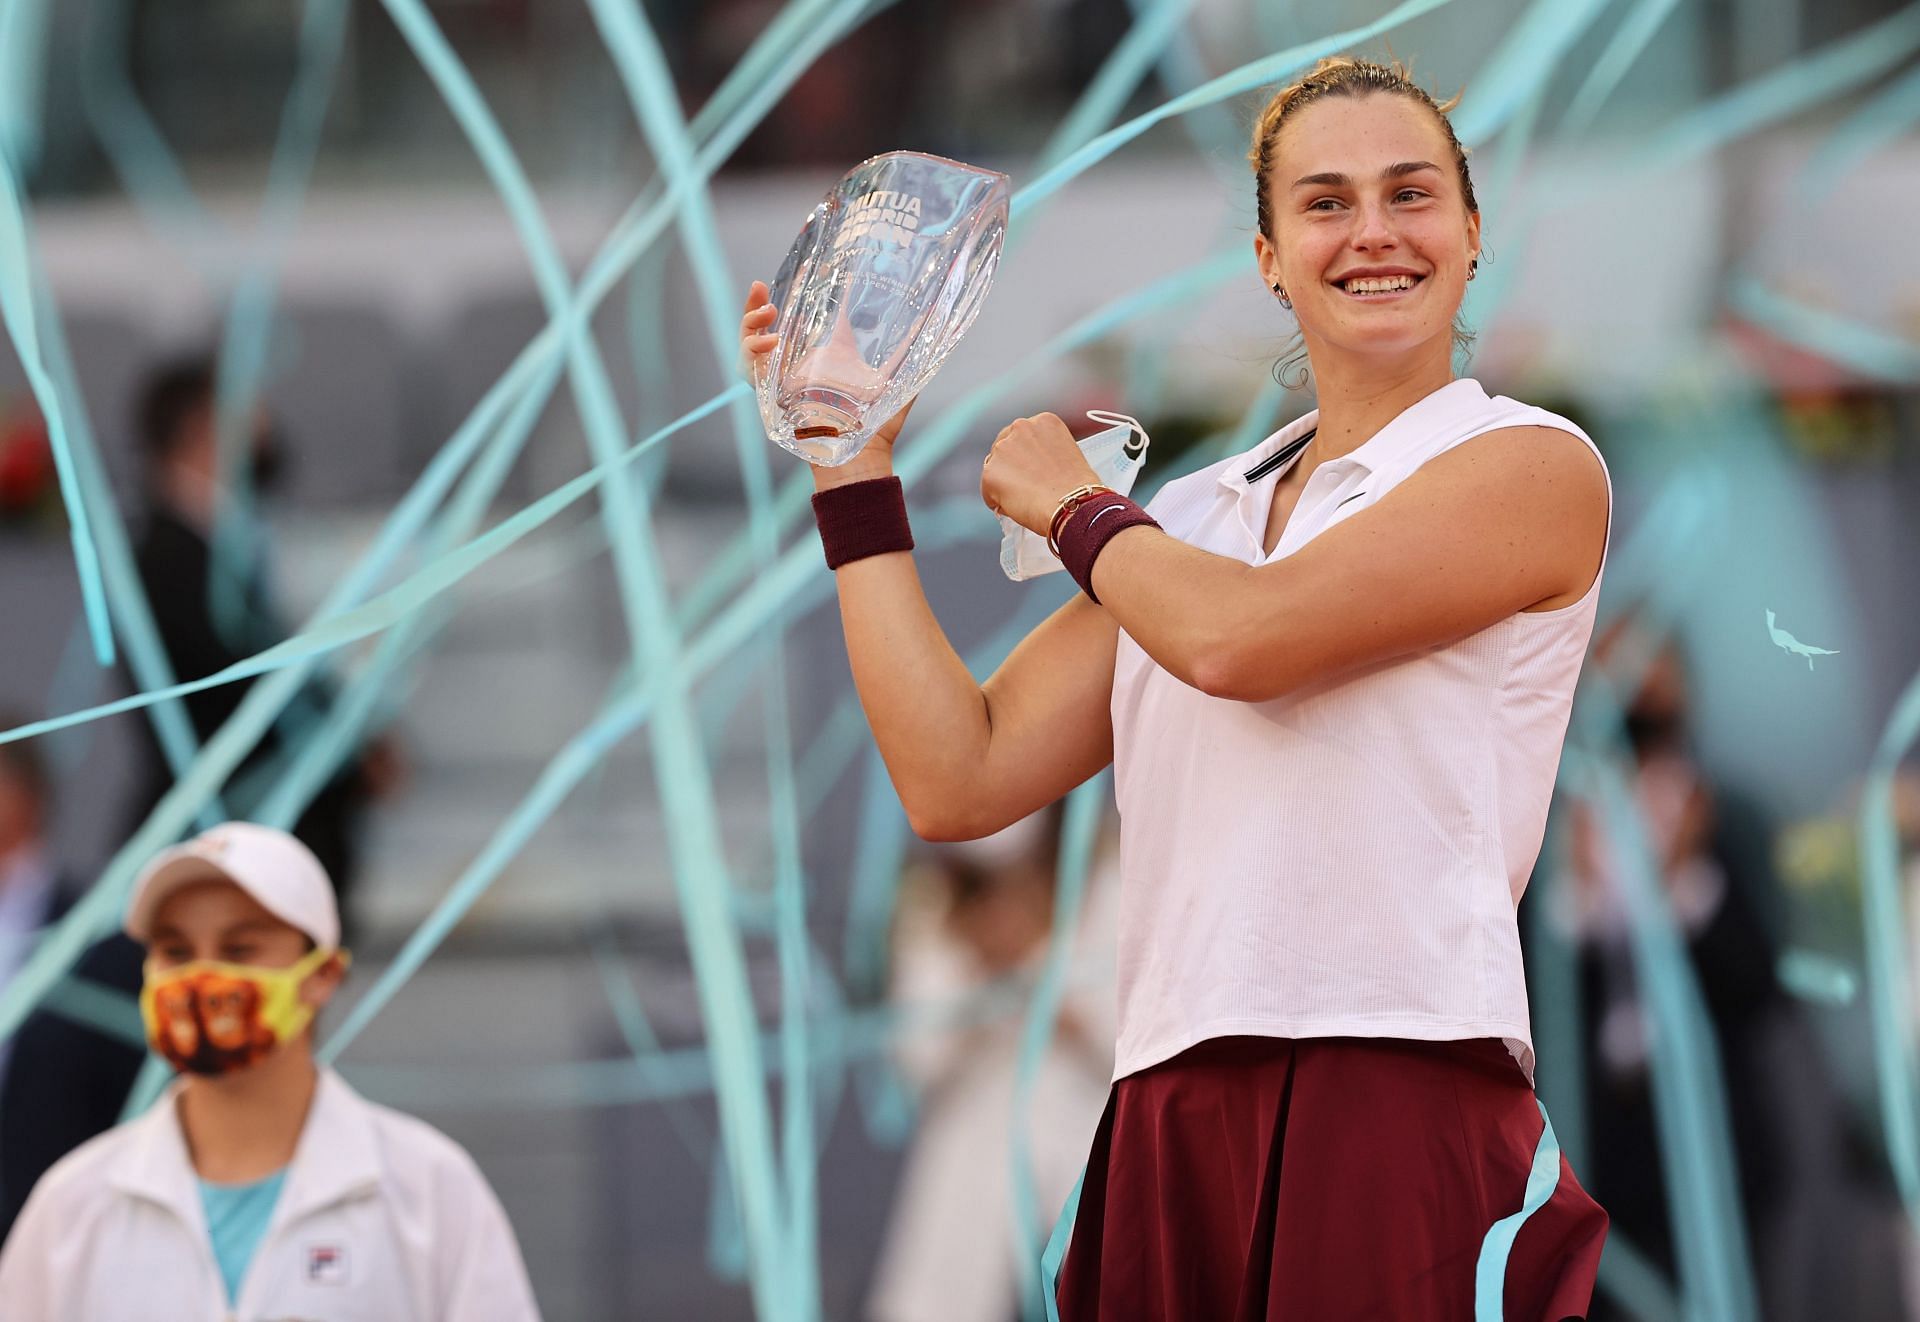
{"x":1490,"y":1270}
{"x":75,"y":681}
{"x":795,"y":38}
{"x":396,"y":604}
{"x":675,"y":1072}
{"x":644,"y":73}
{"x":761,"y":600}
{"x":1835,"y":68}
{"x":1485,"y":295}
{"x":745,"y":613}
{"x":98,"y":912}
{"x":198,"y":782}
{"x":625,"y":712}
{"x":1689,"y":1096}
{"x":644,"y":223}
{"x":1243,"y":79}
{"x":1215,"y":130}
{"x":1132,"y":57}
{"x":627,"y":236}
{"x":726,"y":1236}
{"x":1870,"y":352}
{"x":1864,"y":349}
{"x":1689,"y":1101}
{"x":647,"y":348}
{"x":356,"y":708}
{"x":107,"y":1011}
{"x":631,"y":241}
{"x":1883,"y":914}
{"x":1054,"y":1255}
{"x":1884,"y":119}
{"x":126,"y":595}
{"x":17,"y":308}
{"x":1622,"y":50}
{"x":242,"y":360}
{"x":630,"y":1014}
{"x":1554,"y":1002}
{"x":133,"y":143}
{"x":1086,"y":805}
{"x":1513,"y":74}
{"x":700,"y":871}
{"x":23,"y":79}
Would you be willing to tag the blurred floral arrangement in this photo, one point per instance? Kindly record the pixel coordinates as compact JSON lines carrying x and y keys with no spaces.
{"x":29,"y":489}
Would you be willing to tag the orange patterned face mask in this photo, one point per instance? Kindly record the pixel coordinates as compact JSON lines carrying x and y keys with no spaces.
{"x":212,"y":1018}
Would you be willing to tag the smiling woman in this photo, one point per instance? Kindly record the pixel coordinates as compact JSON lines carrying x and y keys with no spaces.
{"x":1432,"y":185}
{"x":1333,"y":676}
{"x":1342,"y":681}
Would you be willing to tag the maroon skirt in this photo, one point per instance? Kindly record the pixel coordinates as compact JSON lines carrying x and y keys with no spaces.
{"x":1256,"y":1179}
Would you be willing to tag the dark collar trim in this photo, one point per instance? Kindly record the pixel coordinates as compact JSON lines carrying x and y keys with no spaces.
{"x":1280,"y":456}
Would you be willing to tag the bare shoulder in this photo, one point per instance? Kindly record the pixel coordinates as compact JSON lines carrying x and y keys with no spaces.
{"x":1533,"y":497}
{"x":1538,"y":465}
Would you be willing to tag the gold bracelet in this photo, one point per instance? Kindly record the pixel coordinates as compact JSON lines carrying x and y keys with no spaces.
{"x":1070,"y":502}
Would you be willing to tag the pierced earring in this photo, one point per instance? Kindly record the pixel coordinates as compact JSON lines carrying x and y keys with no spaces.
{"x":1473,"y":268}
{"x":1285,"y":302}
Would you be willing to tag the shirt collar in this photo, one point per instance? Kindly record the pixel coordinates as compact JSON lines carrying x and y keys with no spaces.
{"x":156,"y":1166}
{"x":1461,"y":393}
{"x":1233,"y":475}
{"x":337,"y":1154}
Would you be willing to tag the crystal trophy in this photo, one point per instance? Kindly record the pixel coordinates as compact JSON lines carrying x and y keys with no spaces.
{"x":887,"y":274}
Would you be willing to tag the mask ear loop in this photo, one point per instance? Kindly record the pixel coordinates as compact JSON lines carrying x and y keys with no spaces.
{"x":1138,"y":443}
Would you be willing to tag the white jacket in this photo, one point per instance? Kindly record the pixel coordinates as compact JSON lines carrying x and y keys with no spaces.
{"x":382,"y":1219}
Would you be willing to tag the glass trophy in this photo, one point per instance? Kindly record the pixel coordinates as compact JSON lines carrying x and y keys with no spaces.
{"x":887,"y":274}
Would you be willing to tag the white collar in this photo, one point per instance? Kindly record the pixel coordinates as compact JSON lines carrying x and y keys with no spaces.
{"x":337,"y":1156}
{"x":1460,"y":393}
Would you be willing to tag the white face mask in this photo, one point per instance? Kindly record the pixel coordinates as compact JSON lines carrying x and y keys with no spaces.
{"x":1115,"y":455}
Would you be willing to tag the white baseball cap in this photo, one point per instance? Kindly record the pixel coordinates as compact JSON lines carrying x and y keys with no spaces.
{"x":270,"y":865}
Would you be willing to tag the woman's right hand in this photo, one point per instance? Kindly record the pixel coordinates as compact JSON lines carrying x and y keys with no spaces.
{"x":757,"y":340}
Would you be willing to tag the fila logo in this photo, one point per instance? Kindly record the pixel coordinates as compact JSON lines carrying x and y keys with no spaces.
{"x":326,"y":1264}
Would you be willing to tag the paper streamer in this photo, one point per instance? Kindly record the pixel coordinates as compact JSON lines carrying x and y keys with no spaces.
{"x":754,"y":590}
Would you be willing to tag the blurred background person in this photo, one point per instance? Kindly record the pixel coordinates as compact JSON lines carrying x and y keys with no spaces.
{"x":260,"y":1185}
{"x":62,"y":1079}
{"x":1713,"y":844}
{"x":976,"y":917}
{"x":1711,"y":850}
{"x":207,"y":624}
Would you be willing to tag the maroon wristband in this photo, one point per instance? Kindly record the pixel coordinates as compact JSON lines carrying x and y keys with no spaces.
{"x":862,"y":519}
{"x":1091,"y":527}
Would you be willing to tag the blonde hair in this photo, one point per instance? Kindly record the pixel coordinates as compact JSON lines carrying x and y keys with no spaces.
{"x":1342,"y":75}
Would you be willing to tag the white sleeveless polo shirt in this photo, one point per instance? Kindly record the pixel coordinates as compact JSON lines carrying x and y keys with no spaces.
{"x":1343,"y":861}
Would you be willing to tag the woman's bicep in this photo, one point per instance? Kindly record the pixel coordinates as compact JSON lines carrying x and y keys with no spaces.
{"x":1049,"y":707}
{"x":1506,"y":522}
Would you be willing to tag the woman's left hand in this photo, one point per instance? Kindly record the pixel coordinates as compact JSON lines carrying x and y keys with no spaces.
{"x":1033,"y":465}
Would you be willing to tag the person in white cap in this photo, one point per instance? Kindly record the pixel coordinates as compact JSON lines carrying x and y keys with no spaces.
{"x":261,"y":1186}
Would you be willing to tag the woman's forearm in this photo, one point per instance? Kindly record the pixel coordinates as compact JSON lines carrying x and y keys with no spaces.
{"x":1187,"y":609}
{"x":927,"y":712}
